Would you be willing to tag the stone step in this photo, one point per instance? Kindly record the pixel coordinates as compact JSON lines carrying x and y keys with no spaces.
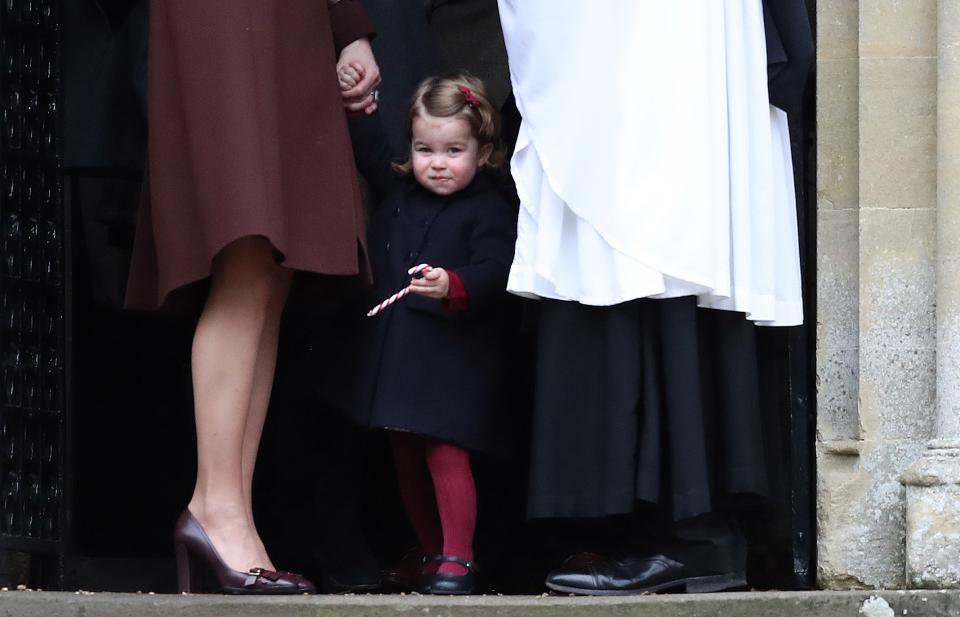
{"x":752,"y":604}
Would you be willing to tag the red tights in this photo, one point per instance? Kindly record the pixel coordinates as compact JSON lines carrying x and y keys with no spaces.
{"x":439,"y":495}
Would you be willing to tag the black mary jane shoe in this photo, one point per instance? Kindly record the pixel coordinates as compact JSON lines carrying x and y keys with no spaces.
{"x":447,"y":584}
{"x":594,"y":575}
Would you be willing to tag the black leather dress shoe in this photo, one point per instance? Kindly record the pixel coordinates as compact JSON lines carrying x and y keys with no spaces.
{"x":593,"y":575}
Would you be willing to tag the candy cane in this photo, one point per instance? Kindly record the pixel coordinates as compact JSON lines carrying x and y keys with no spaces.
{"x":412,"y":271}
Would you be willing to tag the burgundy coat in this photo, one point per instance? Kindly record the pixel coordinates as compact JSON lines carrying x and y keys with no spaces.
{"x":247,"y":136}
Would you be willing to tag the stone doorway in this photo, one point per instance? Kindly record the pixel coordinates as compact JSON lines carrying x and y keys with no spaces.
{"x":132,"y":448}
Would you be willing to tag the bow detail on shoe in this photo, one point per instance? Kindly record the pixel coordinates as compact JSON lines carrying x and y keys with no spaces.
{"x":255,"y":573}
{"x":261,"y":580}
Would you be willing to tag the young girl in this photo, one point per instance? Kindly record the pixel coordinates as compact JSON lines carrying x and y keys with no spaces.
{"x":432,"y":370}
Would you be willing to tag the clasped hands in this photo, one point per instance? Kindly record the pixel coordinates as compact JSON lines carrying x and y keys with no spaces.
{"x":359,"y":94}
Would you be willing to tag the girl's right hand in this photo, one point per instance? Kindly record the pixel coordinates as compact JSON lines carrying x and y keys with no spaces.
{"x":435,"y":283}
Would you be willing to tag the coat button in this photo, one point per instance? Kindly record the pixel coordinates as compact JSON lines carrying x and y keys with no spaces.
{"x":426,"y":222}
{"x":409,"y":255}
{"x":397,"y":211}
{"x":388,"y":247}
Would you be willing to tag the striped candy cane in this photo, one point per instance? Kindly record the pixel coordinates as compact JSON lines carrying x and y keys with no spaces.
{"x":412,"y":271}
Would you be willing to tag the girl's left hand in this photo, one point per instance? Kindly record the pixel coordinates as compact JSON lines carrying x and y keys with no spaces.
{"x":359,"y":55}
{"x":435,"y":283}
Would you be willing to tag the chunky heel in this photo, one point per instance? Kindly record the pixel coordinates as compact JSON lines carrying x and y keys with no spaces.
{"x":186,"y":576}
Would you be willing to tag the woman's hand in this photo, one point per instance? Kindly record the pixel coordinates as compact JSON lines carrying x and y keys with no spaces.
{"x":435,"y":283}
{"x":359,"y":93}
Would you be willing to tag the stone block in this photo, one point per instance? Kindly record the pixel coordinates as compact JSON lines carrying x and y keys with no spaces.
{"x":948,"y":32}
{"x":838,"y":274}
{"x":898,"y":132}
{"x":837,"y":394}
{"x":838,"y":267}
{"x":861,"y":514}
{"x":933,"y":520}
{"x":898,"y":393}
{"x":838,"y":103}
{"x":898,"y":28}
{"x":948,"y":162}
{"x":897,"y":279}
{"x":948,"y":223}
{"x":948,"y":366}
{"x":897,"y":323}
{"x":838,"y":29}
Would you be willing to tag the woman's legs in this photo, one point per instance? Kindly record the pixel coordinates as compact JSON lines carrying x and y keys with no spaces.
{"x":226,"y":349}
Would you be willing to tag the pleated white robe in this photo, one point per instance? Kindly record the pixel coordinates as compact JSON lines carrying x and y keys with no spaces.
{"x":649,"y":161}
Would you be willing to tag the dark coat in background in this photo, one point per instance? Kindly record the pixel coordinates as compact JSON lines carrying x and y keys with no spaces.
{"x":104,"y":79}
{"x":467,"y":36}
{"x":790,"y":52}
{"x":405,"y":56}
{"x":422,"y":367}
{"x":105,"y":84}
{"x":248,"y":136}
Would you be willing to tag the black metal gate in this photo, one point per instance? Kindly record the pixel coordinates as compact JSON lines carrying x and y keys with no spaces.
{"x":32,"y":289}
{"x":802,"y":343}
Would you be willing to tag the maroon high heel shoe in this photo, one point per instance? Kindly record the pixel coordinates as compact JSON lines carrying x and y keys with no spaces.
{"x":195,"y":553}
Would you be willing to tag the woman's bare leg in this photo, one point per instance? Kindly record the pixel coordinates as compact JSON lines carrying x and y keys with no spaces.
{"x":225,"y":349}
{"x":262,"y":387}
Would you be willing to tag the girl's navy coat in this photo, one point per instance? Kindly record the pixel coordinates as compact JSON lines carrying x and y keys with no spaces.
{"x":422,"y":367}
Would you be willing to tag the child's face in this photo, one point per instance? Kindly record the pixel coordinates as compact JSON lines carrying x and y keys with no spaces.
{"x":445,"y":154}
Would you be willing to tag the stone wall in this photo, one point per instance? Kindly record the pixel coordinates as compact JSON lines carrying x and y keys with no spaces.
{"x":877,"y":241}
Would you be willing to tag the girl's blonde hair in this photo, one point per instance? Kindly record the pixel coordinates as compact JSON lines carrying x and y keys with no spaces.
{"x":459,"y":95}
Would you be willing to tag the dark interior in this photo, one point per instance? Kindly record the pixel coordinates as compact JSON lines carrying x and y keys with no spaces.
{"x":324,"y":493}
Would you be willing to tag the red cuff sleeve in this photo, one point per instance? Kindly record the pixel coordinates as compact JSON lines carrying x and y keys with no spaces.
{"x":456,"y":299}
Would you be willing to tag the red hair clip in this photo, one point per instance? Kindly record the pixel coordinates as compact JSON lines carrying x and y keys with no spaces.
{"x":468,"y":94}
